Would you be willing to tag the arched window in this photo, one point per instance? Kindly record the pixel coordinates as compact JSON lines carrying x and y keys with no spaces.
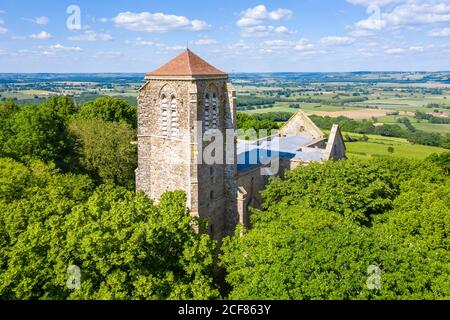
{"x":215,"y":112}
{"x":211,"y":110}
{"x":206,"y":112}
{"x":169,"y":124}
{"x":164,"y":115}
{"x":174,"y":124}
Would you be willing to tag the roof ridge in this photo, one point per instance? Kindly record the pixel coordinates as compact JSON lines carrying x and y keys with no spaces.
{"x":187,"y":64}
{"x":189,"y":52}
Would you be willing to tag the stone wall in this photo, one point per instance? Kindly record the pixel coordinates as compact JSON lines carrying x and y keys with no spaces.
{"x":167,"y":163}
{"x":336,"y":149}
{"x":163,"y":162}
{"x":300,"y":123}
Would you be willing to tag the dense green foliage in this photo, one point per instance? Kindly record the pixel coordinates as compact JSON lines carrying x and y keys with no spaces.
{"x":67,"y":201}
{"x":442,"y":160}
{"x":274,"y":116}
{"x":106,"y":150}
{"x":32,"y":132}
{"x":247,"y":101}
{"x":432,"y":119}
{"x":324,"y":226}
{"x":110,"y":109}
{"x":97,"y":139}
{"x":125,"y":246}
{"x":248,"y":122}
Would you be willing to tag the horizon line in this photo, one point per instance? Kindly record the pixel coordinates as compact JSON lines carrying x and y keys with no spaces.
{"x":240,"y":72}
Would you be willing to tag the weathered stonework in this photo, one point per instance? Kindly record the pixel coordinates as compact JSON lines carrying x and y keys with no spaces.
{"x":167,"y":163}
{"x":176,"y":99}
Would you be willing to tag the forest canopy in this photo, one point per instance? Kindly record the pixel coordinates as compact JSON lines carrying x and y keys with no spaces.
{"x":353,"y":229}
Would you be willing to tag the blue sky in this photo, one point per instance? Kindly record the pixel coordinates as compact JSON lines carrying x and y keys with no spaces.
{"x":236,"y":36}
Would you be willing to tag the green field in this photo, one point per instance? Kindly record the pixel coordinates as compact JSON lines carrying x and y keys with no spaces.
{"x":378,"y":146}
{"x":430,"y":127}
{"x":37,"y":92}
{"x":284,"y":107}
{"x":423,"y":125}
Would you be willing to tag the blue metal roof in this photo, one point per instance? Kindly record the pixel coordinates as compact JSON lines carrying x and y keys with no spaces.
{"x":256,"y":153}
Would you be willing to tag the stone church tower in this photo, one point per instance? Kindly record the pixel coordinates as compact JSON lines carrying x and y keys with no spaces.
{"x":179,"y":102}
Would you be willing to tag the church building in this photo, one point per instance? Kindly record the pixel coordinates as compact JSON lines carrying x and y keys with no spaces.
{"x":184,"y":101}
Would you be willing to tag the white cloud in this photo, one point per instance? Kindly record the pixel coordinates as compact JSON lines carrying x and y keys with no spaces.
{"x":417,"y":49}
{"x":157,"y":22}
{"x":205,"y":42}
{"x":42,"y":21}
{"x":440,"y":32}
{"x":256,"y":31}
{"x":90,"y":35}
{"x":252,"y":21}
{"x":261,"y":31}
{"x":302,"y":45}
{"x":423,"y":12}
{"x":411,"y":49}
{"x":337,"y":41}
{"x":280,"y":14}
{"x":360,"y":33}
{"x":241,"y":45}
{"x":406,"y":13}
{"x":396,"y":51}
{"x":370,"y":24}
{"x":282,"y":30}
{"x":103,"y":20}
{"x":175,"y":48}
{"x":43,"y":35}
{"x":279,"y":43}
{"x":256,"y":16}
{"x":60,"y":47}
{"x":141,"y":42}
{"x":368,"y":3}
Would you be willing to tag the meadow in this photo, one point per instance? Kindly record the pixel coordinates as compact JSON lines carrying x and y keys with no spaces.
{"x":379,"y":146}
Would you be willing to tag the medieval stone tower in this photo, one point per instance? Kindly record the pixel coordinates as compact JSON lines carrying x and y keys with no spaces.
{"x":179,"y":103}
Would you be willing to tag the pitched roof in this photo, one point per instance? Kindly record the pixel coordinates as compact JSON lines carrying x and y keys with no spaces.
{"x":187,"y":64}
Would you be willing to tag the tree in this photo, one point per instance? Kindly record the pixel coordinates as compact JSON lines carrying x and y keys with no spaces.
{"x":109,"y":109}
{"x":106,"y":150}
{"x":125,"y":246}
{"x":391,"y":150}
{"x":442,"y":160}
{"x":301,"y":246}
{"x":62,"y":107}
{"x":7,"y":109}
{"x":355,"y":189}
{"x":128,"y":248}
{"x":38,"y":133}
{"x":31,"y":220}
{"x":248,"y":122}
